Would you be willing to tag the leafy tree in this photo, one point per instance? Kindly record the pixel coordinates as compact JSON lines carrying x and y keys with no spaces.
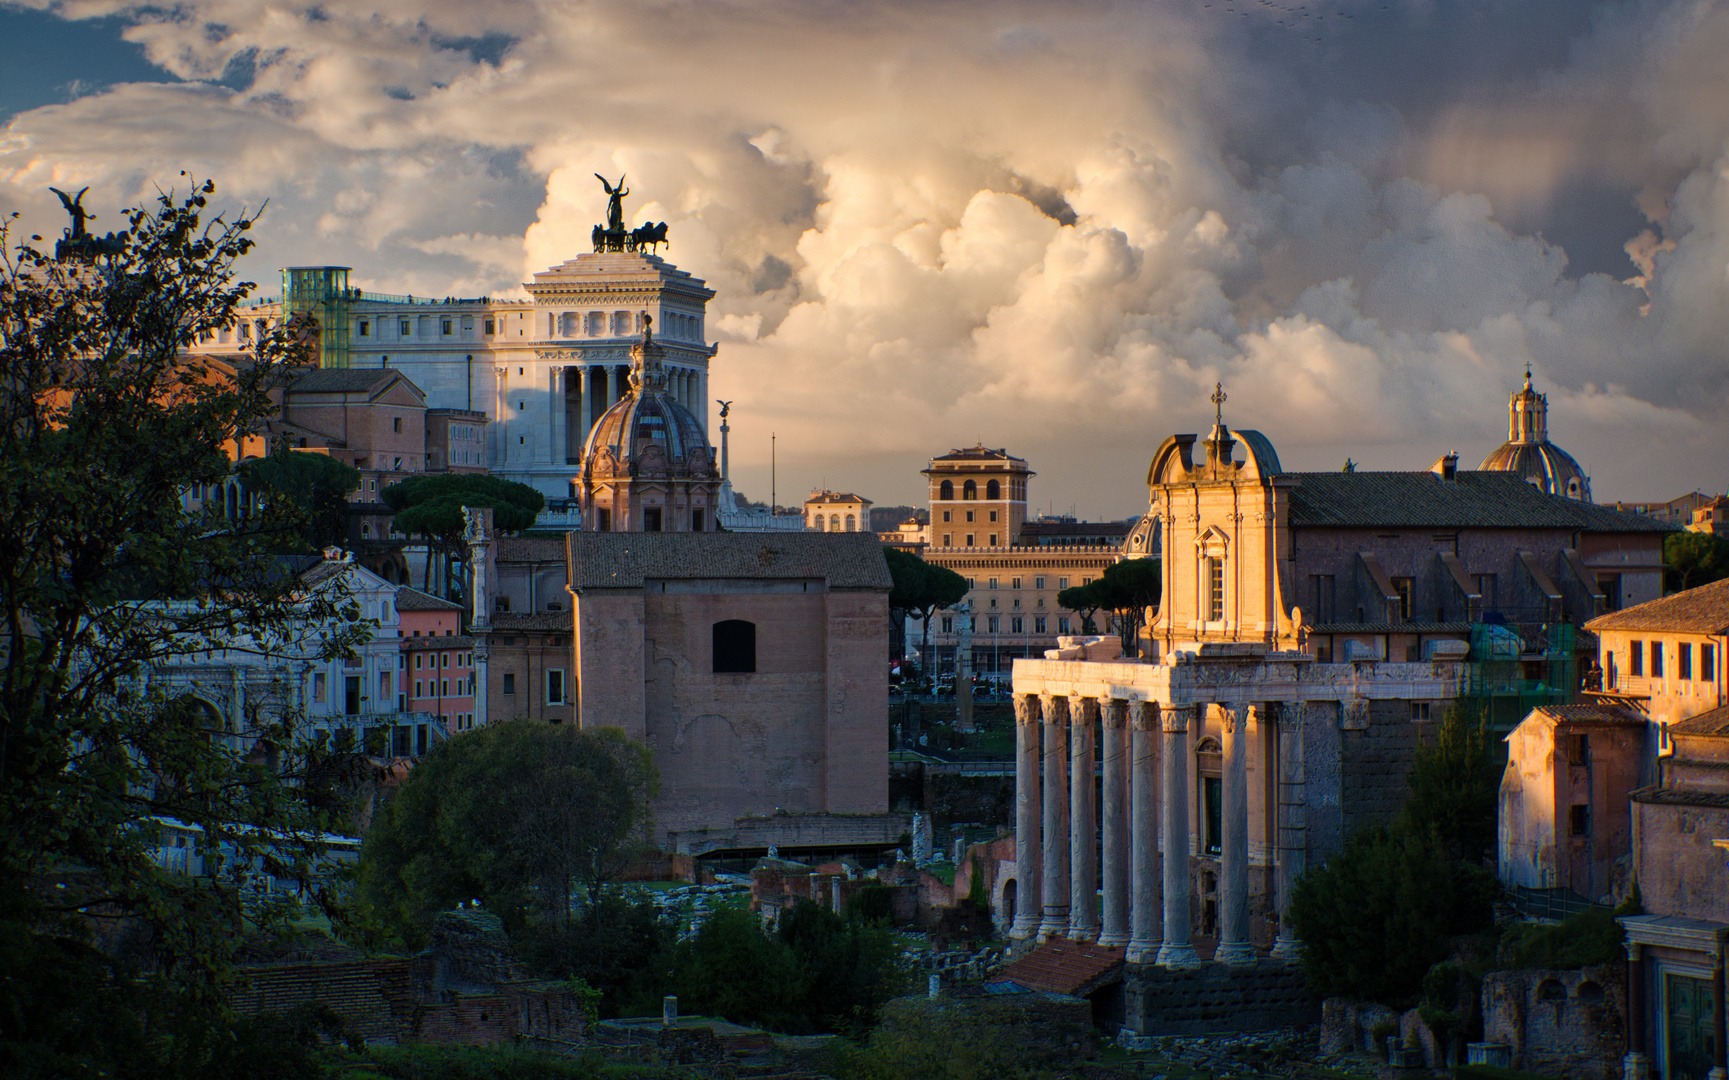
{"x":431,"y":506}
{"x":317,"y":484}
{"x":1128,"y":589}
{"x":517,"y":814}
{"x":1693,"y":559}
{"x":920,"y":590}
{"x":615,"y":951}
{"x":114,"y":964}
{"x":1455,"y":785}
{"x":818,"y":972}
{"x":1382,"y":912}
{"x":1083,"y":600}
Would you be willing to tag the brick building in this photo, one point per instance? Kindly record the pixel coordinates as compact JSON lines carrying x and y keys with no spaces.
{"x":755,"y":668}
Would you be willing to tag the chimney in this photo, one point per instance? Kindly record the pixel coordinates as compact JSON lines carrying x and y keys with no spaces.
{"x":1446,"y":466}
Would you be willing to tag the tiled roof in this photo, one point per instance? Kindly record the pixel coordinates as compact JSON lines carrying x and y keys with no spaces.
{"x":452,"y":642}
{"x":1469,"y":500}
{"x":1704,"y":610}
{"x":1065,"y":967}
{"x":504,"y":622}
{"x":1591,"y":714}
{"x":408,"y":599}
{"x":1712,"y":725}
{"x":348,"y":381}
{"x":623,"y":560}
{"x":530,"y":549}
{"x":836,"y":497}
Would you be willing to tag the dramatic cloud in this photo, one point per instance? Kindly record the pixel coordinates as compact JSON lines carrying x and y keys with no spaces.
{"x":1051,"y":227}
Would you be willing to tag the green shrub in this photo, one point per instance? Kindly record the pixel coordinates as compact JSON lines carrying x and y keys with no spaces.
{"x":1590,"y":937}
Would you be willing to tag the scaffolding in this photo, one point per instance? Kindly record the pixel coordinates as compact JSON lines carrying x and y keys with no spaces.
{"x":323,"y":293}
{"x":1510,"y":671}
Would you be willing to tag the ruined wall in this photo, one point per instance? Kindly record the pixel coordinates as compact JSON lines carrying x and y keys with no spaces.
{"x":1560,"y":1023}
{"x":1375,"y":760}
{"x":1680,"y":872}
{"x":1216,"y":998}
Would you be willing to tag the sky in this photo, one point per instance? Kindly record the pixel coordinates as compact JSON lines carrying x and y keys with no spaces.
{"x":1050,"y":227}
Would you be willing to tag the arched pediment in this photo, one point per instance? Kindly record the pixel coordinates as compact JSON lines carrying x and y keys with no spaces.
{"x":1209,"y":745}
{"x":1173,"y":461}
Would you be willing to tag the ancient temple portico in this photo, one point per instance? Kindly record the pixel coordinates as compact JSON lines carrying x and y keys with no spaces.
{"x":1203,"y":755}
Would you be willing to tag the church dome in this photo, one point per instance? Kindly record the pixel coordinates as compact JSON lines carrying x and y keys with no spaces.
{"x":647,"y":432}
{"x":1529,"y":453}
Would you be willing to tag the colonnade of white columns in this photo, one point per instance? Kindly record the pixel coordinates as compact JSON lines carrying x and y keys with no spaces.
{"x":588,"y":390}
{"x":1147,"y":760}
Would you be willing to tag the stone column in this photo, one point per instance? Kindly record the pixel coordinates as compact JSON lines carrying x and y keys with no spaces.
{"x":1635,"y":1065}
{"x":1292,"y":814}
{"x":1028,"y":858}
{"x":1113,"y":749}
{"x":1083,"y":824}
{"x":555,"y":442}
{"x":1144,"y":912}
{"x":1056,"y":800}
{"x":1176,"y":951}
{"x":1234,"y":946}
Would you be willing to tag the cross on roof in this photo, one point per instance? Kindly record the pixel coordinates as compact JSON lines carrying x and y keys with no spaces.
{"x":1218,"y":400}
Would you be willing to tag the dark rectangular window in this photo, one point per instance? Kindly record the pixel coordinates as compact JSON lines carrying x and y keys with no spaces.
{"x":1684,"y":660}
{"x":555,"y":687}
{"x":1636,"y":658}
{"x":351,"y":696}
{"x":696,"y":522}
{"x":1215,"y":590}
{"x":992,"y":621}
{"x":1579,"y":820}
{"x":510,"y":682}
{"x":1213,"y":806}
{"x":1015,"y":625}
{"x":1579,"y":749}
{"x":1708,"y":663}
{"x":603,"y":520}
{"x":948,"y":624}
{"x":651,"y":519}
{"x":1062,"y":624}
{"x":734,"y":646}
{"x":1039,"y":624}
{"x":490,"y":326}
{"x":1656,"y":659}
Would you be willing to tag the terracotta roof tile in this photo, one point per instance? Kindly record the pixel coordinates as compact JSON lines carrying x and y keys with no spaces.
{"x":504,"y":622}
{"x":1591,"y":714}
{"x":530,"y":549}
{"x":1710,"y":725}
{"x":1470,"y":500}
{"x":1704,"y":610}
{"x":408,"y":599}
{"x":1065,"y":967}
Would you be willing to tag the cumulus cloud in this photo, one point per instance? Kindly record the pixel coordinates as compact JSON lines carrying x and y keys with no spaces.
{"x":1051,"y":227}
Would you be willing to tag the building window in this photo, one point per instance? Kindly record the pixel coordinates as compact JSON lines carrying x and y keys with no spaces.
{"x":696,"y":522}
{"x":603,"y":520}
{"x":971,"y":584}
{"x":1062,"y":624}
{"x":851,"y":523}
{"x":734,"y":646}
{"x":993,"y":583}
{"x":1579,"y":819}
{"x":991,"y":623}
{"x":993,"y":539}
{"x":1215,"y":589}
{"x":651,"y":519}
{"x":947,"y":516}
{"x":365,"y":328}
{"x":946,"y":492}
{"x":1014,"y":583}
{"x":1038,"y":624}
{"x":418,"y":657}
{"x":1419,"y":710}
{"x":509,"y":682}
{"x":1579,"y":749}
{"x":555,"y":686}
{"x":419,"y":689}
{"x":969,"y":517}
{"x":969,"y":539}
{"x":948,"y":624}
{"x":396,"y":424}
{"x":444,"y":326}
{"x":351,"y":695}
{"x":318,"y":690}
{"x":1684,"y":660}
{"x":834,"y":523}
{"x":1062,"y":583}
{"x":1636,"y":658}
{"x":1038,"y":583}
{"x":1406,"y":588}
{"x":403,"y":328}
{"x":1015,"y":626}
{"x":1656,"y":659}
{"x":993,"y":490}
{"x":993,"y":516}
{"x":444,"y":688}
{"x":1708,"y":663}
{"x":491,"y":327}
{"x":948,"y":538}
